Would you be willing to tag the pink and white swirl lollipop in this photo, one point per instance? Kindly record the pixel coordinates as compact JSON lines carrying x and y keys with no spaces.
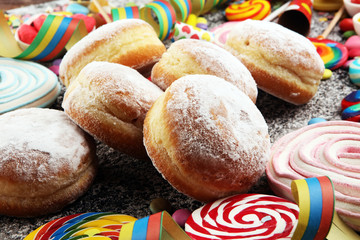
{"x":244,"y":216}
{"x":330,"y":149}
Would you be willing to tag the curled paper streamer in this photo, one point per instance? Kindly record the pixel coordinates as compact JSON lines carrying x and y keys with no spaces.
{"x":162,"y":14}
{"x":183,"y":30}
{"x":56,"y":33}
{"x":317,"y":217}
{"x":163,"y":10}
{"x":110,"y":226}
{"x":166,"y":17}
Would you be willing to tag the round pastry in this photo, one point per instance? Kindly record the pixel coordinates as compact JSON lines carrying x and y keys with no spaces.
{"x":131,"y":42}
{"x":188,"y":56}
{"x":328,"y":148}
{"x":25,"y":84}
{"x":207,"y":138}
{"x":46,"y":162}
{"x":244,"y":216}
{"x":109,"y":101}
{"x":282,"y":62}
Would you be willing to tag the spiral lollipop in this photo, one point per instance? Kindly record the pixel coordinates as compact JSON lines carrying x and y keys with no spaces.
{"x":333,"y":54}
{"x":26,"y":84}
{"x":80,"y":226}
{"x":330,"y":149}
{"x":245,"y":216}
{"x":253,"y":9}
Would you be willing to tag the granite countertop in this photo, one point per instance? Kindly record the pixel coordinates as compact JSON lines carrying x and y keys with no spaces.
{"x":127,"y":185}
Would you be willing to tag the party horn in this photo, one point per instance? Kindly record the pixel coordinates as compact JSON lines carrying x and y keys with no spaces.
{"x":186,"y":31}
{"x":297,"y":16}
{"x":318,"y":219}
{"x":56,"y":33}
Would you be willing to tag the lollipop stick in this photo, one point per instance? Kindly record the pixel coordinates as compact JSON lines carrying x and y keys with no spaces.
{"x":333,"y":22}
{"x":277,"y":12}
{"x":102,"y":11}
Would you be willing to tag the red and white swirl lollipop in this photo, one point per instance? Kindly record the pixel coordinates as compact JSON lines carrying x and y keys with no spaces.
{"x":330,"y":149}
{"x":244,"y":216}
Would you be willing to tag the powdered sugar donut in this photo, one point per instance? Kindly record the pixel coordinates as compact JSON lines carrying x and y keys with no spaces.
{"x":109,"y":101}
{"x":46,"y":162}
{"x":324,"y":149}
{"x":206,"y":137}
{"x":131,"y":42}
{"x":190,"y":56}
{"x":282,"y":62}
{"x":245,"y":216}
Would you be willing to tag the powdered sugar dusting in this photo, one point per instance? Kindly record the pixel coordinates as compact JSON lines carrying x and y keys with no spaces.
{"x":278,"y":41}
{"x":218,"y":121}
{"x":39,"y":142}
{"x":125,"y":79}
{"x":105,"y":32}
{"x":211,"y":57}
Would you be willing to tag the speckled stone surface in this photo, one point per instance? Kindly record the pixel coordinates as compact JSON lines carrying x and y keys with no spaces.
{"x":127,"y":185}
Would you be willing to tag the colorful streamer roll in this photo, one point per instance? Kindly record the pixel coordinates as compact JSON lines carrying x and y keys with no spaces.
{"x":166,"y":17}
{"x":318,"y":219}
{"x":125,"y":12}
{"x":315,"y":197}
{"x":56,"y":33}
{"x":197,"y":6}
{"x":182,"y":9}
{"x":162,"y":10}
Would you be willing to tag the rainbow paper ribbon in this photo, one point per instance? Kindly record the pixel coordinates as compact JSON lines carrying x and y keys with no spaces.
{"x":56,"y":33}
{"x":163,"y":10}
{"x":157,"y":226}
{"x":318,"y":219}
{"x":162,"y":14}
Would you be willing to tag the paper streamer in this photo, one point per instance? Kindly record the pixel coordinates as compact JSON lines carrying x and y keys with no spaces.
{"x":56,"y":33}
{"x":163,"y":10}
{"x":110,"y":226}
{"x":125,"y":12}
{"x":317,"y":217}
{"x":162,"y":14}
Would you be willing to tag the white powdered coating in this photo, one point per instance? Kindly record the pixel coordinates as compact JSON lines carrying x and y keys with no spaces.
{"x":120,"y":78}
{"x":215,"y":121}
{"x":29,"y":133}
{"x":278,"y":41}
{"x":212,"y":57}
{"x":105,"y":32}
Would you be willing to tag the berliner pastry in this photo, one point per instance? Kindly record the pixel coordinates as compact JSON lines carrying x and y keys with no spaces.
{"x":110,"y":101}
{"x":46,"y":162}
{"x":131,"y":42}
{"x":207,"y":138}
{"x":282,"y":62}
{"x":189,"y":56}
